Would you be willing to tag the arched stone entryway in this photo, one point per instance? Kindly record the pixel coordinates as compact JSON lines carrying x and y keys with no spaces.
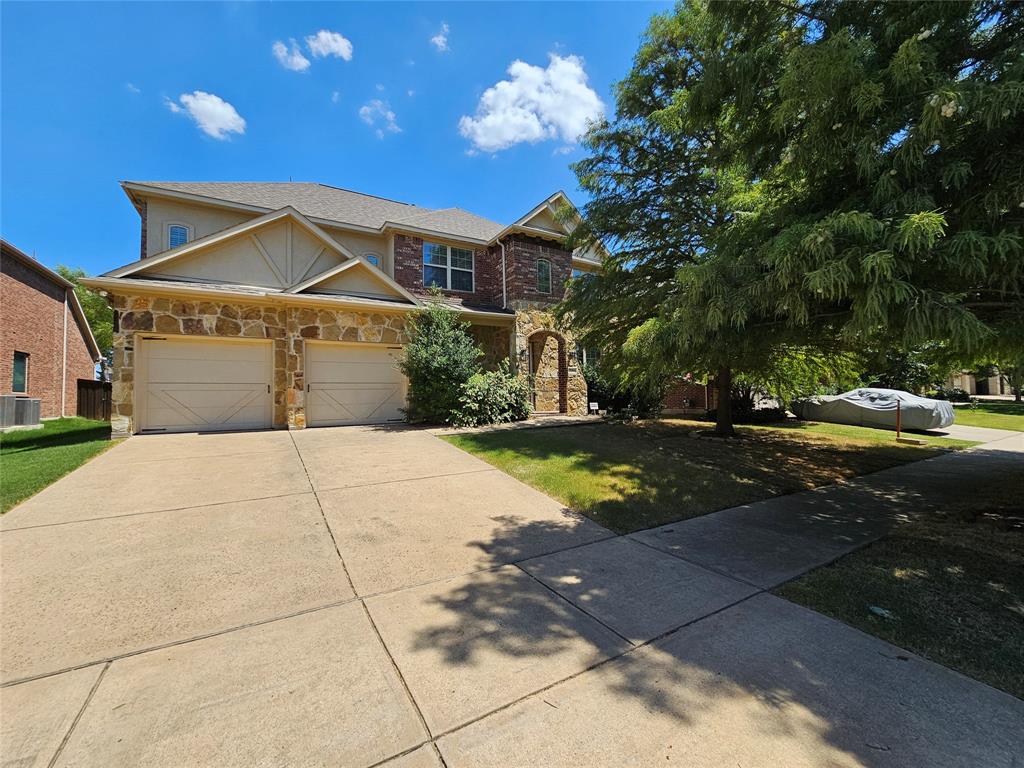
{"x":548,"y":367}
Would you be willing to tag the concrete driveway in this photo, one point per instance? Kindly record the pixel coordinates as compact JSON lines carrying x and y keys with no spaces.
{"x":360,"y":596}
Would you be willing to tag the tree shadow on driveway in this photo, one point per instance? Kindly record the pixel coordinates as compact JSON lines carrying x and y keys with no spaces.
{"x":762,"y":682}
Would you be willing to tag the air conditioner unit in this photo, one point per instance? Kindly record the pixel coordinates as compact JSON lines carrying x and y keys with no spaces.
{"x":18,"y":411}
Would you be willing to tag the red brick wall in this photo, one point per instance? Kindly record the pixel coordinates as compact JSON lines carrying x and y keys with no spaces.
{"x":32,"y":321}
{"x":521,"y":255}
{"x":143,"y":213}
{"x":486,"y":273}
{"x":698,"y":396}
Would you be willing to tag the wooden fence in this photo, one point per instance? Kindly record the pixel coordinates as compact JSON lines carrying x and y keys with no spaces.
{"x":94,"y":399}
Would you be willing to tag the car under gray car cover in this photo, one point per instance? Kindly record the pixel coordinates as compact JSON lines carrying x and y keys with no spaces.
{"x":870,"y":407}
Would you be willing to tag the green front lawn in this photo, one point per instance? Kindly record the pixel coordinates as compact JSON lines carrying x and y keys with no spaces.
{"x":994,"y":415}
{"x":949,"y":587}
{"x":633,"y":476}
{"x":32,"y":459}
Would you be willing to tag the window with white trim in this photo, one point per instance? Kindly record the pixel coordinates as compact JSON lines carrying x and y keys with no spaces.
{"x":448,"y":267}
{"x":543,"y":276}
{"x":587,"y":355}
{"x":178,"y":234}
{"x":373,"y":258}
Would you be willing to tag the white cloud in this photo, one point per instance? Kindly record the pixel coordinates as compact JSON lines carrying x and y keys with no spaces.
{"x":132,"y":88}
{"x":214,"y":116}
{"x":379,"y":87}
{"x":326,"y":43}
{"x":410,"y":93}
{"x":290,"y":58}
{"x":378,"y":114}
{"x":440,"y":40}
{"x":536,"y":104}
{"x":335,"y":96}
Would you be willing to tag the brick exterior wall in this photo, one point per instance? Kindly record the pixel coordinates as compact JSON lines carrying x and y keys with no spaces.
{"x":521,"y":257}
{"x":690,"y":396}
{"x":32,"y":321}
{"x":144,"y":215}
{"x":486,"y":273}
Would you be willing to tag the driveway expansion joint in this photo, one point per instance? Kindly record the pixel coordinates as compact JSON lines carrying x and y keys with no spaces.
{"x":155,"y":511}
{"x":81,"y":711}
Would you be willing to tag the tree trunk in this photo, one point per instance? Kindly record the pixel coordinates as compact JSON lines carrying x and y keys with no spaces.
{"x":723,"y":418}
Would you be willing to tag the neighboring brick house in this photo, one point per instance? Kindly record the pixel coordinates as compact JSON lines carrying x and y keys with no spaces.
{"x":688,"y":398}
{"x":283,"y":304}
{"x":45,"y":343}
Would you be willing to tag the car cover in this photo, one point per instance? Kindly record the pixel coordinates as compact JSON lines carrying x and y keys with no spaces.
{"x":870,"y":407}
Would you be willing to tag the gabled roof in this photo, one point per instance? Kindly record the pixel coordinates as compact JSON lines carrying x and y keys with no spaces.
{"x":227,"y":234}
{"x":326,"y":204}
{"x":449,"y":220}
{"x":355,"y":264}
{"x":13,"y":252}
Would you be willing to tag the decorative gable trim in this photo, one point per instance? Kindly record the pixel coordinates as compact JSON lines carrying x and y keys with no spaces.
{"x":231,"y":232}
{"x":356,"y":263}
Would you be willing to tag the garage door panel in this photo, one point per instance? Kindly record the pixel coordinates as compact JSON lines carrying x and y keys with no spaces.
{"x":205,"y":386}
{"x":353,"y":385}
{"x":197,"y":371}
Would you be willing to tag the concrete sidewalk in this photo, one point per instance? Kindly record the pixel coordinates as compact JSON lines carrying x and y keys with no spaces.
{"x":211,"y":617}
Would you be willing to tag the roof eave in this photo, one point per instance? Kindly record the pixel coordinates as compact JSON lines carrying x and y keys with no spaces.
{"x":122,"y":285}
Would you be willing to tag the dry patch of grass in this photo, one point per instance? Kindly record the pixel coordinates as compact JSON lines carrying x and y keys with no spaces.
{"x":633,"y":476}
{"x":948,"y":586}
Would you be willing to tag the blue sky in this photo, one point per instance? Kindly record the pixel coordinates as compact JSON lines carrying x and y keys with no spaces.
{"x":398,"y":100}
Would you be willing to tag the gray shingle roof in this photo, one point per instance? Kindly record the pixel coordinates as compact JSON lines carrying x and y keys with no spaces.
{"x":341,"y":205}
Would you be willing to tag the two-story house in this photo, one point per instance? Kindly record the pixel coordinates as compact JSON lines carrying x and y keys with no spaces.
{"x":257,"y":305}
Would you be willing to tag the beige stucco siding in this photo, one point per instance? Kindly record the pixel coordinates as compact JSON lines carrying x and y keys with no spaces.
{"x":204,"y":220}
{"x":363,"y":245}
{"x":277,"y":255}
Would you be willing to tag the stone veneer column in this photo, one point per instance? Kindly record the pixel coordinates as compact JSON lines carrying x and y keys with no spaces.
{"x":531,"y":318}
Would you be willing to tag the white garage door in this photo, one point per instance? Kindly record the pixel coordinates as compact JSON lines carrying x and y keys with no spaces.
{"x":190,"y":385}
{"x":352,"y":384}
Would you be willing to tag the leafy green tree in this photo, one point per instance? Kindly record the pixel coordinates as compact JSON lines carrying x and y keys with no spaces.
{"x":97,"y":311}
{"x":801,"y":176}
{"x":663,"y":181}
{"x":884,"y":169}
{"x":439,"y":359}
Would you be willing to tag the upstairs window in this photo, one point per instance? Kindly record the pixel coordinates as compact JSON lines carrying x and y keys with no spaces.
{"x":177,"y":234}
{"x":543,"y":276}
{"x":588,"y":355}
{"x":447,"y":267}
{"x":19,"y":384}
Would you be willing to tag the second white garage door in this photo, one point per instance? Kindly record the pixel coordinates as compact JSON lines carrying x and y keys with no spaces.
{"x":353,"y":384}
{"x":202,"y":385}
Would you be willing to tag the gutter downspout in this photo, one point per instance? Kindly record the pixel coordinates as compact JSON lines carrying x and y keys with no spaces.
{"x":504,"y":286}
{"x":64,"y":361}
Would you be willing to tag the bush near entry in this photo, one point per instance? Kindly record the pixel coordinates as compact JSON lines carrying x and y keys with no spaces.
{"x":446,"y":382}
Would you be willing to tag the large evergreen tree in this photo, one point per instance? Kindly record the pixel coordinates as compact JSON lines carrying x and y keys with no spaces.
{"x":810,"y":176}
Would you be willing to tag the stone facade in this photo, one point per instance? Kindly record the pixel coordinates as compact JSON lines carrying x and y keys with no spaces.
{"x":495,"y":341}
{"x":287,"y":326}
{"x":558,"y":381}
